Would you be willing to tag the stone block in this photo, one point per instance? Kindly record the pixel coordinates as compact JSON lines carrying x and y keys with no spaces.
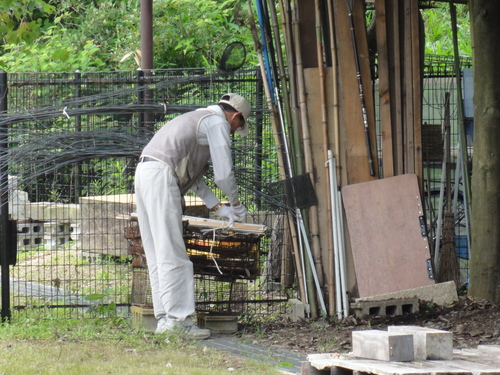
{"x":102,"y":232}
{"x":296,"y":309}
{"x":218,"y":323}
{"x":144,"y":317}
{"x":428,"y":343}
{"x":49,"y":211}
{"x":382,"y":345}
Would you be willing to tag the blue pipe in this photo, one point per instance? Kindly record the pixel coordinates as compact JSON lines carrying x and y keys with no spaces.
{"x":265,"y":51}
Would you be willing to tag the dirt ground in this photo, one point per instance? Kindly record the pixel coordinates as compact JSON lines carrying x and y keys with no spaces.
{"x":472,"y":323}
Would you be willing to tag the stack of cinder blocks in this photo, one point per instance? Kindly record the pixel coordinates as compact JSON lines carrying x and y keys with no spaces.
{"x":403,"y":343}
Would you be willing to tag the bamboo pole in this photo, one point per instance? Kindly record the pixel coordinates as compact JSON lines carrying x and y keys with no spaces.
{"x":308,"y":156}
{"x":326,"y":146}
{"x":306,"y":138}
{"x":332,"y":300}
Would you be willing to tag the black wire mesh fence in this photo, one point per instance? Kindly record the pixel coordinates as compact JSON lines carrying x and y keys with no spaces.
{"x":440,"y":79}
{"x":73,"y":143}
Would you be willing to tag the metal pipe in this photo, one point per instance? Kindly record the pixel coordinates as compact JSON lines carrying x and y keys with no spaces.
{"x":4,"y":202}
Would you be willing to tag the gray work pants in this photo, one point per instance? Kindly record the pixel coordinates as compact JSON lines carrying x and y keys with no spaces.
{"x":159,"y":211}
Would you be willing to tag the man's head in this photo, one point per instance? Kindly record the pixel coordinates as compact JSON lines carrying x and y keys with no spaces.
{"x":242,"y":111}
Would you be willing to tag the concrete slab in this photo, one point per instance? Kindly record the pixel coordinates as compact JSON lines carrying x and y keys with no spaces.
{"x":441,"y":294}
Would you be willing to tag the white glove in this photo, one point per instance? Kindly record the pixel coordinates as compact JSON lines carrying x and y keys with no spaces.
{"x":225,"y":211}
{"x":239,"y":212}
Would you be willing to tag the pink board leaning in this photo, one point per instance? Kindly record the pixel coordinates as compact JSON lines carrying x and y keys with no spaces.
{"x":384,"y":219}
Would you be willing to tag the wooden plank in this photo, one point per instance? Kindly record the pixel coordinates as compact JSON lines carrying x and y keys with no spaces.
{"x":490,"y":349}
{"x":307,"y":369}
{"x":409,"y":159}
{"x":417,"y":92}
{"x":383,"y":217}
{"x":352,"y":128}
{"x":395,"y":82}
{"x":479,"y":356}
{"x":213,"y":224}
{"x":384,"y":90}
{"x":475,"y":367}
{"x":200,"y":222}
{"x":325,"y":361}
{"x":335,"y":361}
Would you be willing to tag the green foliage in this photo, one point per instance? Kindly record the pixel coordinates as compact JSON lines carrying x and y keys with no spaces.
{"x":192,"y":33}
{"x":23,"y":21}
{"x":93,"y":35}
{"x":438,"y":31}
{"x":51,"y":53}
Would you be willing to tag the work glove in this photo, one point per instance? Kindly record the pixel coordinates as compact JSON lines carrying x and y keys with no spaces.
{"x":239,"y":212}
{"x":226,"y":211}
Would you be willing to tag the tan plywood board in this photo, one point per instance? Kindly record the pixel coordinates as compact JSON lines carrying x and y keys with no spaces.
{"x":383,"y":216}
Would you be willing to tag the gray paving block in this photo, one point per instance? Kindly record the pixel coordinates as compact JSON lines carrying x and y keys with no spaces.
{"x":428,"y":343}
{"x":382,"y":345}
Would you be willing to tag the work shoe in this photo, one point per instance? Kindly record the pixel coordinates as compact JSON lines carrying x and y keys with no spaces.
{"x":161,"y":326}
{"x":186,"y":328}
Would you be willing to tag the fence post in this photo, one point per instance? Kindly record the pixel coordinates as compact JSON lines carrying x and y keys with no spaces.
{"x":4,"y":203}
{"x":78,"y":128}
{"x":140,"y":96}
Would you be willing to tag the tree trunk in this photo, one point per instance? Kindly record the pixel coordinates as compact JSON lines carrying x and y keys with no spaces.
{"x":485,"y":216}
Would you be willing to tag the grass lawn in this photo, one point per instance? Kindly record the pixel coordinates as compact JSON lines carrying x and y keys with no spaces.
{"x":35,"y":343}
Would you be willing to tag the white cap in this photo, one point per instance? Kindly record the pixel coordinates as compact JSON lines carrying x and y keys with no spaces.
{"x":241,"y":105}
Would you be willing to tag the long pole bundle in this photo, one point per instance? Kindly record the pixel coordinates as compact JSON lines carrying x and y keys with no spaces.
{"x":274,"y":122}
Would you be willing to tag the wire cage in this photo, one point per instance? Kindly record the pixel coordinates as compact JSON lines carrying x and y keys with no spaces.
{"x":73,"y":143}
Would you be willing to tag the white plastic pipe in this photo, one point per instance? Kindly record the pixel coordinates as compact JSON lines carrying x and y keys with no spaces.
{"x":440,"y":210}
{"x":338,"y":235}
{"x":333,"y":204}
{"x":342,"y":261}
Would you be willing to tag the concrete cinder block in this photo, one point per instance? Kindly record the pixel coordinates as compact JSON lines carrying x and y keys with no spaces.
{"x":28,"y":242}
{"x":390,"y":307}
{"x":428,"y":343}
{"x":382,"y":345}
